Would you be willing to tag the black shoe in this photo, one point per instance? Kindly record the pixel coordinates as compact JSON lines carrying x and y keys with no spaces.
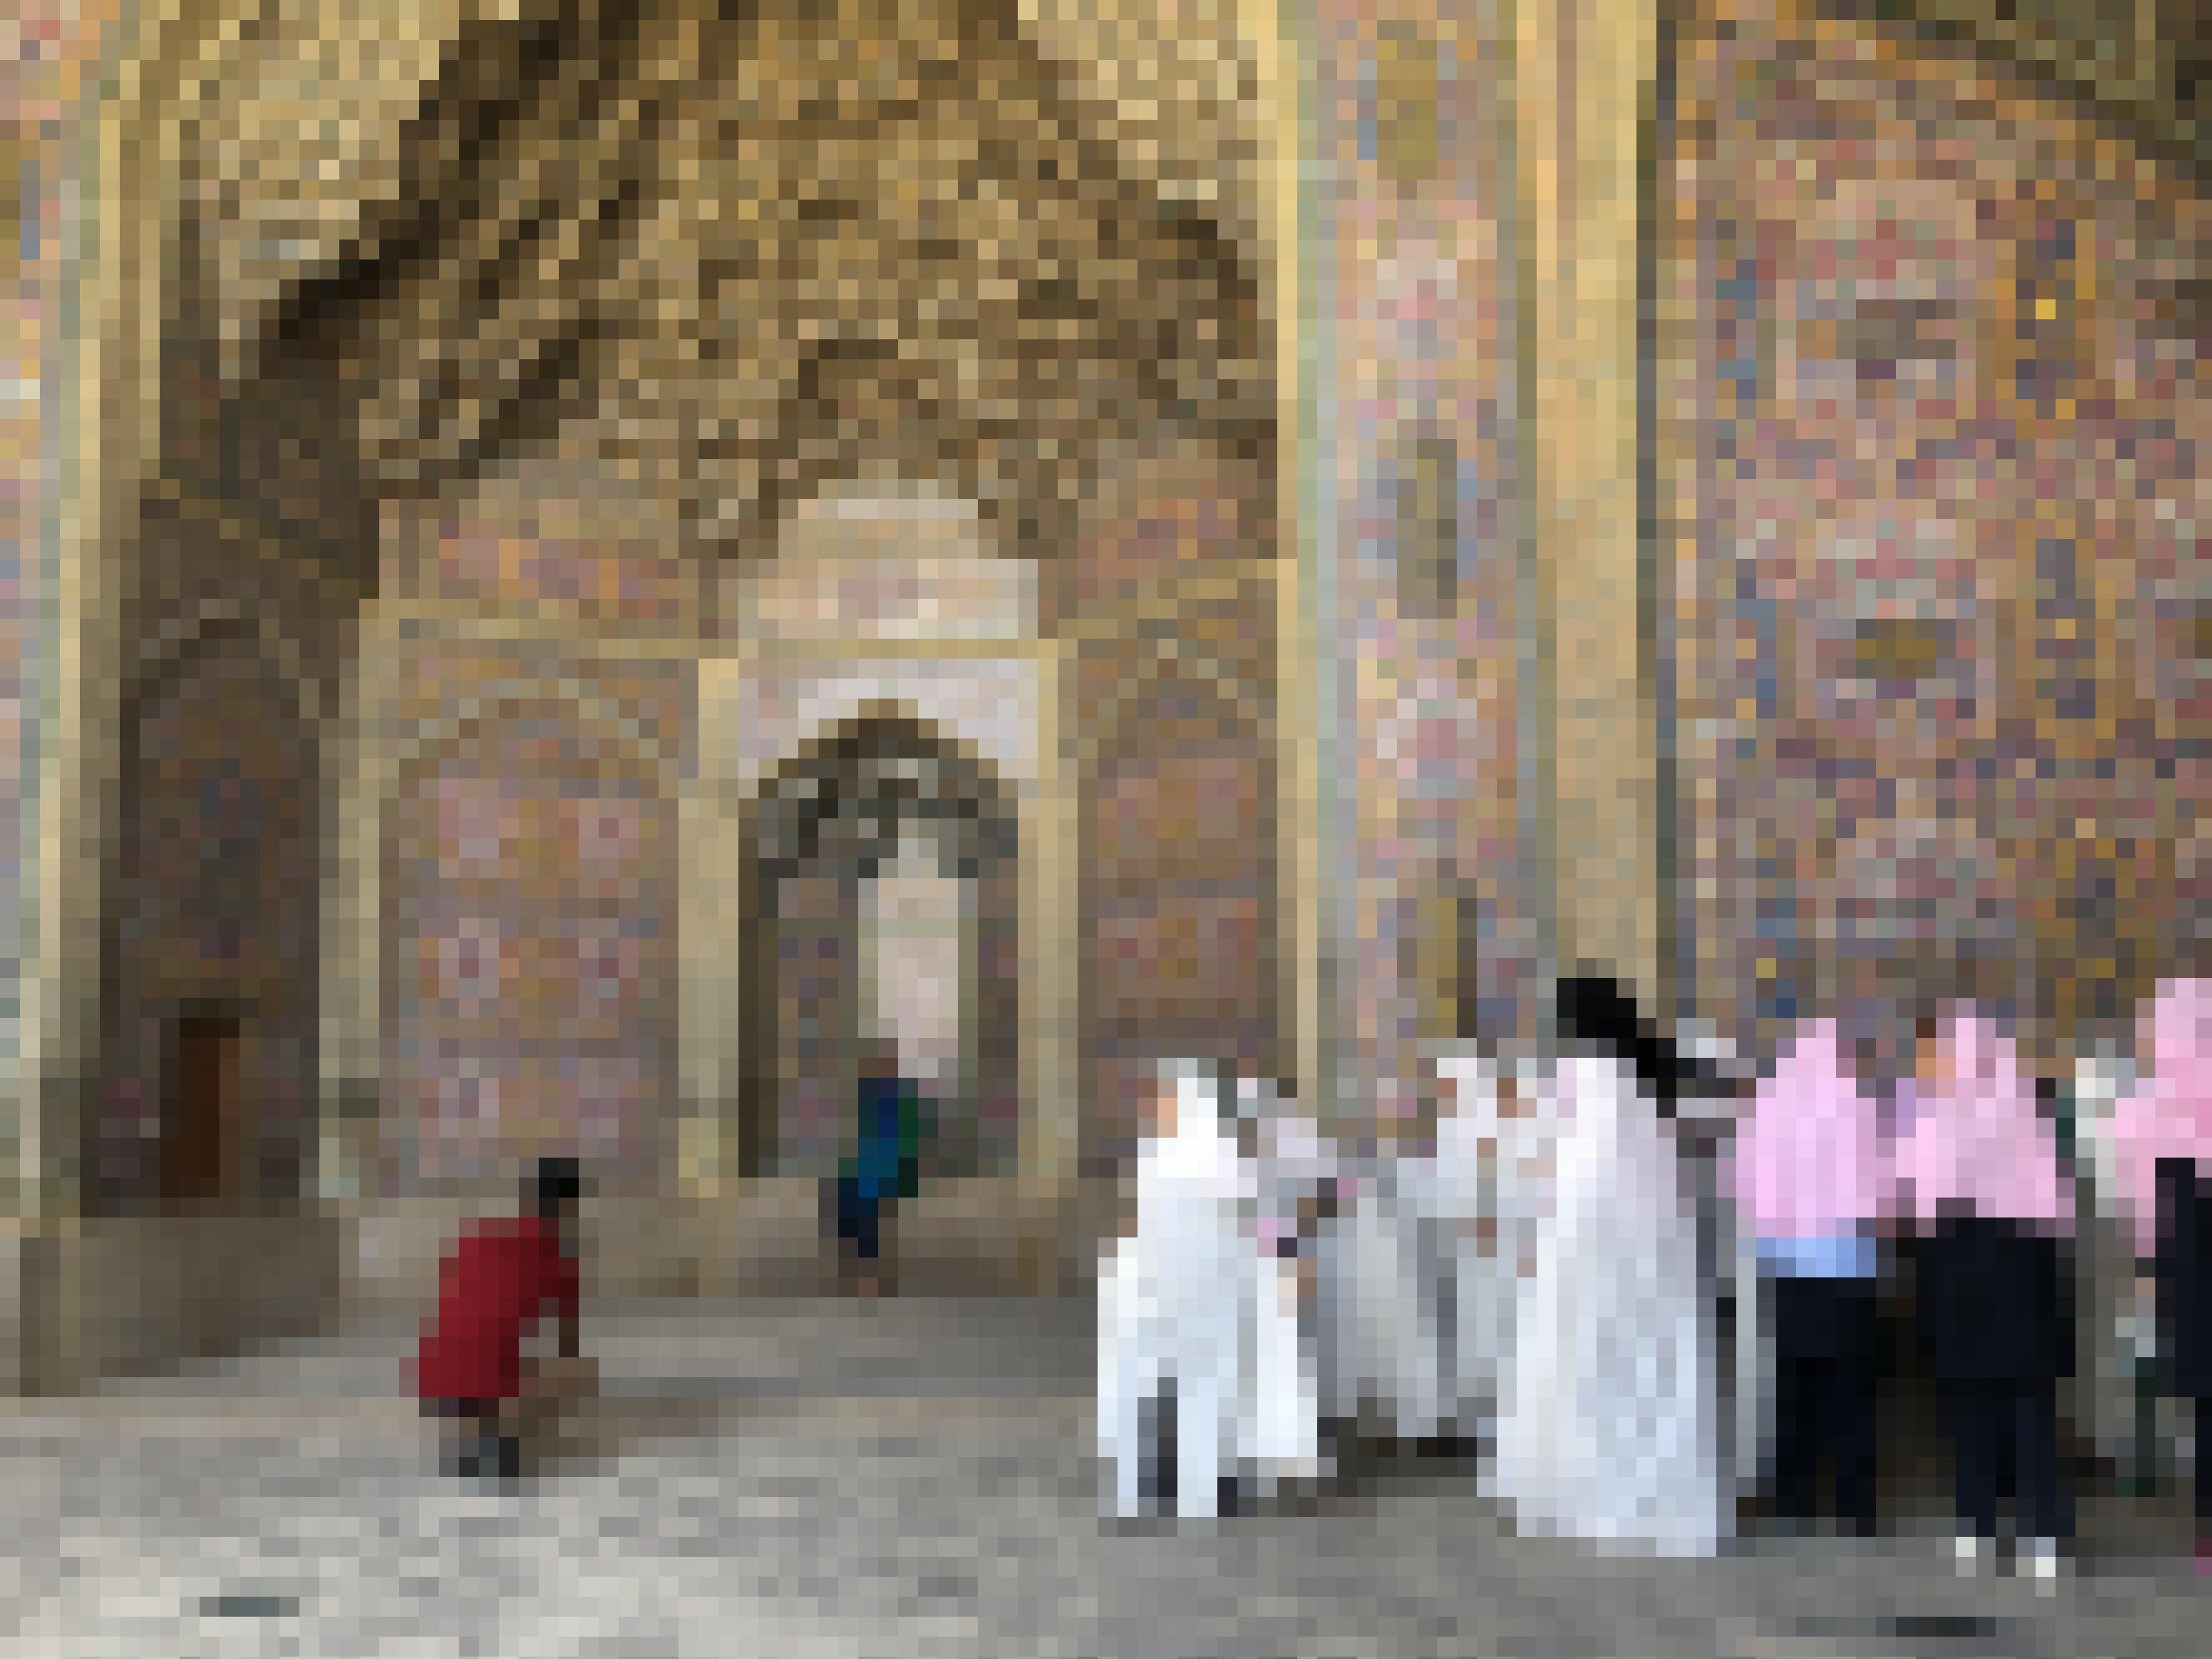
{"x":492,"y":1458}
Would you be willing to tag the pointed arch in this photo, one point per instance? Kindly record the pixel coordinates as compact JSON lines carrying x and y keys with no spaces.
{"x":834,"y":808}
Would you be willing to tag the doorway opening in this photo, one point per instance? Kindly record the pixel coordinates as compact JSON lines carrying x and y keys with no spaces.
{"x":881,"y":898}
{"x":202,"y":1129}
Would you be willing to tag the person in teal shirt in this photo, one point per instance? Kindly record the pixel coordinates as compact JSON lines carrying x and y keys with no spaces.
{"x":885,"y":1167}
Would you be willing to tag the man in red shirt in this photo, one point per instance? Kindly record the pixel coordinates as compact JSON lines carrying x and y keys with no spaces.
{"x":500,"y":1279}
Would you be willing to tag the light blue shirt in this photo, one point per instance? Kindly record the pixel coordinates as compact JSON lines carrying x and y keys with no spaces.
{"x":1849,"y":1256}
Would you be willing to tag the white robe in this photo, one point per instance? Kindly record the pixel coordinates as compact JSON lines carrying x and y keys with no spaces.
{"x":1507,"y":1190}
{"x":1754,"y":1376}
{"x":1382,"y":1291}
{"x":1174,"y":1313}
{"x":1283,"y":1412}
{"x":2102,"y":1390}
{"x":1282,"y":1418}
{"x":1606,"y":1428}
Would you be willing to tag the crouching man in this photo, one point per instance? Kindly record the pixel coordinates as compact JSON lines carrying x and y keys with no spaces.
{"x":500,"y":1280}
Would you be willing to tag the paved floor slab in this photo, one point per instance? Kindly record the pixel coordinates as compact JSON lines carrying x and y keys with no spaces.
{"x":905,"y":1480}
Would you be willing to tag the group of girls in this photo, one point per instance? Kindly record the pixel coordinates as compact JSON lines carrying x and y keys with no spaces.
{"x":1964,"y":1167}
{"x":1272,"y":1282}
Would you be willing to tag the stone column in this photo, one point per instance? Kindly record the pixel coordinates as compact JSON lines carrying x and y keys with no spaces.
{"x":710,"y":938}
{"x":1313,"y":691}
{"x":346,"y":1167}
{"x":1050,"y":945}
{"x":1585,"y":73}
{"x":708,"y":957}
{"x":103,"y":407}
{"x":96,"y":124}
{"x":1051,"y":952}
{"x":1280,"y":30}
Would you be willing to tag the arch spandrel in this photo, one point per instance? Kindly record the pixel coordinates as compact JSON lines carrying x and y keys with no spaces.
{"x":761,"y":712}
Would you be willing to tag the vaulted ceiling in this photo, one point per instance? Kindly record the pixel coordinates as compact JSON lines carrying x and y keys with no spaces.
{"x":756,"y":243}
{"x":742,"y":246}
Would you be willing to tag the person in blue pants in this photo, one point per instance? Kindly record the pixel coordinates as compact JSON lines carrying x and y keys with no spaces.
{"x":884,"y":1168}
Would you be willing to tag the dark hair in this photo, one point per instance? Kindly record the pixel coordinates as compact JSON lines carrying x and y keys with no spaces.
{"x":553,"y":1185}
{"x":1226,"y":1076}
{"x":1595,"y":1011}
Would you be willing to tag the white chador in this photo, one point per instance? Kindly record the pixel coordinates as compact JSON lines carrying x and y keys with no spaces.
{"x":1606,"y":1427}
{"x":1175,"y":1305}
{"x":1382,"y":1300}
{"x":1282,"y":1414}
{"x":1492,"y":1165}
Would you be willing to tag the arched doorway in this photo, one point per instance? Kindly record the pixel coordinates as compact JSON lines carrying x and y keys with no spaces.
{"x":879,"y":860}
{"x":209,"y":1005}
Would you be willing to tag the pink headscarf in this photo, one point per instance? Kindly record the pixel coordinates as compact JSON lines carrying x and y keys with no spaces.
{"x":1809,"y":1161}
{"x":1978,"y":1140}
{"x":2169,"y":1113}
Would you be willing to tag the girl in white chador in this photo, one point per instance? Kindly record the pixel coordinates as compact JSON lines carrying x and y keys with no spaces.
{"x":1382,"y":1292}
{"x":1175,"y":1302}
{"x":1493,"y":1149}
{"x":1294,"y":1167}
{"x":1606,"y":1425}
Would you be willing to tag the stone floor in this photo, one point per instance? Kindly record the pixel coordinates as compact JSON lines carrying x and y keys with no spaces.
{"x":913,"y":1479}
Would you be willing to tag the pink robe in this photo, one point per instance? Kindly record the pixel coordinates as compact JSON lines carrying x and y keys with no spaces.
{"x":1809,"y":1162}
{"x":1978,"y":1141}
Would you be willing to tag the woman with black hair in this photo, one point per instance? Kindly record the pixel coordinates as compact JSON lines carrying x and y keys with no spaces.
{"x":1606,"y":1428}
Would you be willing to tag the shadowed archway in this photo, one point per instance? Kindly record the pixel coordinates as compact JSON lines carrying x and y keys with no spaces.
{"x":834,"y":815}
{"x":211,"y":918}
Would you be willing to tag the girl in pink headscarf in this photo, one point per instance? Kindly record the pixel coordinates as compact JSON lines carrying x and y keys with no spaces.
{"x":2162,"y":1157}
{"x":2168,"y":1116}
{"x":1812,"y":1184}
{"x":1978,"y":1177}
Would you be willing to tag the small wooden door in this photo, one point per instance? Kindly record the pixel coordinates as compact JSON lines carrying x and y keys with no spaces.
{"x":201,"y":1132}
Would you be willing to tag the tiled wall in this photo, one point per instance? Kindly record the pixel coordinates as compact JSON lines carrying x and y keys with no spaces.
{"x":1416,"y":412}
{"x":46,"y":48}
{"x":1937,"y":425}
{"x":1174,"y":781}
{"x":529,"y":922}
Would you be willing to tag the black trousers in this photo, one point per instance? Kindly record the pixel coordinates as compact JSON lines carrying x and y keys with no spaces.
{"x":2005,"y":1435}
{"x":1827,"y":1376}
{"x":859,"y":1219}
